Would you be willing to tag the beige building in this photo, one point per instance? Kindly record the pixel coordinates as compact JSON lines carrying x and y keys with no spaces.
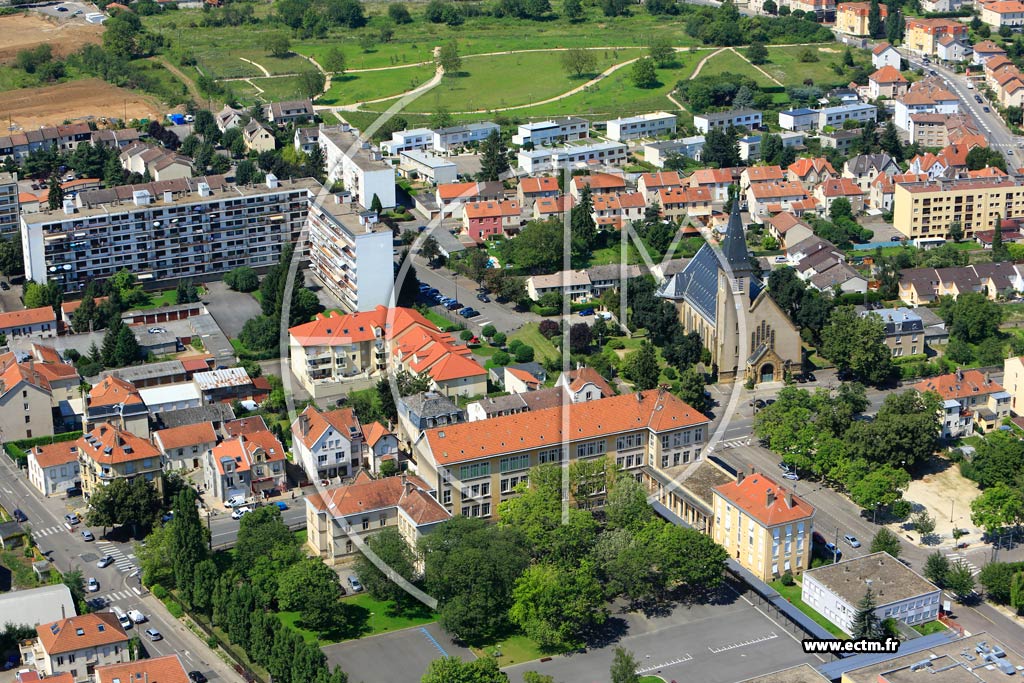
{"x":763,"y":526}
{"x":922,"y":35}
{"x":340,"y":519}
{"x":969,"y":398}
{"x":476,"y":465}
{"x":904,"y":331}
{"x":107,"y":453}
{"x":1003,"y":13}
{"x":926,"y":210}
{"x":186,"y":446}
{"x":852,"y":17}
{"x":258,"y":138}
{"x":78,"y":645}
{"x":25,"y":401}
{"x":1013,"y":381}
{"x":703,"y":293}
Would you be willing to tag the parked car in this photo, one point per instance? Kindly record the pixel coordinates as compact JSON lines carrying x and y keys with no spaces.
{"x":71,"y":518}
{"x":832,"y":550}
{"x":73,"y":491}
{"x":986,"y":109}
{"x":123,"y":619}
{"x":92,"y":585}
{"x":977,"y":98}
{"x":484,"y":298}
{"x":137,"y":616}
{"x":453,"y":305}
{"x":19,"y":516}
{"x":852,"y":540}
{"x":238,"y":513}
{"x":468,"y":312}
{"x":87,"y":536}
{"x":105,"y":561}
{"x":235,"y":501}
{"x":354,"y":584}
{"x":167,"y":517}
{"x":4,"y":286}
{"x":281,"y":505}
{"x":62,"y":9}
{"x":586,"y":311}
{"x":153,"y":634}
{"x":189,"y":118}
{"x":196,"y":677}
{"x":792,"y":476}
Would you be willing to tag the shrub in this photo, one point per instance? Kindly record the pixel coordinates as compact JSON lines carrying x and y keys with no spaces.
{"x":670,"y":373}
{"x":158,"y":591}
{"x":212,"y":643}
{"x":501,"y":358}
{"x":466,"y":335}
{"x":616,"y":344}
{"x":499,"y":339}
{"x":175,"y":609}
{"x":787,"y":579}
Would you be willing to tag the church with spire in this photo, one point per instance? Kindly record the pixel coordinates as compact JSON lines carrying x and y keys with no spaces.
{"x":703,"y":293}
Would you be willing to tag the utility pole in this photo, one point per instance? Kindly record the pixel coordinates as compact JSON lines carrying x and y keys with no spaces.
{"x":835,"y":553}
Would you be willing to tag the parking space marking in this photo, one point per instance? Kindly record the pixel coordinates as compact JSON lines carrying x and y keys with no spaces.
{"x":752,"y":641}
{"x":647,"y":669}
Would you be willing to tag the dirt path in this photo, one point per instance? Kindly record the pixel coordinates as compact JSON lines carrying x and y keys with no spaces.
{"x":193,"y":89}
{"x":701,"y":63}
{"x":766,"y":74}
{"x":257,"y":65}
{"x":327,"y":74}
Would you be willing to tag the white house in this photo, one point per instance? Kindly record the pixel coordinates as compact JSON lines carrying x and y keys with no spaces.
{"x":379,"y":444}
{"x":185,"y":447}
{"x":40,"y":322}
{"x":54,"y":468}
{"x":885,"y":54}
{"x":447,"y":139}
{"x":798,"y":119}
{"x":837,"y":116}
{"x":642,"y":126}
{"x":834,"y":590}
{"x":574,"y":284}
{"x":428,"y":166}
{"x":741,"y":118}
{"x":656,"y":153}
{"x":549,"y":158}
{"x":329,"y":444}
{"x":547,"y":132}
{"x":352,"y":160}
{"x":404,"y":140}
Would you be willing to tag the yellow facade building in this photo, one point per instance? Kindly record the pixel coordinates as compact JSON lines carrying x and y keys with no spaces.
{"x":927,"y":209}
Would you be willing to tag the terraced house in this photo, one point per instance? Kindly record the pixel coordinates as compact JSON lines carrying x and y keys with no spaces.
{"x":476,"y":465}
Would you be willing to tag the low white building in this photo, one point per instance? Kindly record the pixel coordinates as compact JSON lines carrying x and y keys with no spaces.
{"x":741,"y":118}
{"x":642,"y":126}
{"x":404,"y":140}
{"x":447,"y":139}
{"x":655,"y":153}
{"x":54,"y":468}
{"x":428,"y":166}
{"x":168,"y":397}
{"x":750,"y":146}
{"x":550,"y":158}
{"x":837,"y":116}
{"x":553,"y":130}
{"x":798,"y":119}
{"x":833,"y":591}
{"x":574,"y":284}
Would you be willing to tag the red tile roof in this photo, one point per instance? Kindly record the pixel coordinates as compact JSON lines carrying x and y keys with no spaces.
{"x":29,"y":316}
{"x":534,"y":185}
{"x":55,"y":454}
{"x":662,"y":179}
{"x":492,"y":209}
{"x":887,"y":74}
{"x":764,"y":174}
{"x":115,"y":446}
{"x":973,"y":383}
{"x":777,"y":190}
{"x":112,"y":391}
{"x":803,"y":166}
{"x":167,"y":669}
{"x":453,"y":191}
{"x":579,"y":377}
{"x":599,"y":181}
{"x":523,"y":376}
{"x":374,"y":432}
{"x":880,"y":48}
{"x":342,"y":420}
{"x":654,"y":410}
{"x":79,"y":633}
{"x":552,"y":205}
{"x":840,"y":187}
{"x":683,"y":195}
{"x":368,"y":495}
{"x":186,"y":435}
{"x":245,"y":425}
{"x":751,"y":496}
{"x":711,"y":176}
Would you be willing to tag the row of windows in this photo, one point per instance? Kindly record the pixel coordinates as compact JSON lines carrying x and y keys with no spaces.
{"x":514,"y":462}
{"x":474,"y":470}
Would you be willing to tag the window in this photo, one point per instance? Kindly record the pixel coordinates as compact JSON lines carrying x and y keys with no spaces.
{"x":348,"y":546}
{"x":446,"y":497}
{"x":513,"y":463}
{"x":465,"y":511}
{"x":479,"y":469}
{"x":552,"y":455}
{"x":366,"y":523}
{"x":664,"y":460}
{"x":629,"y":441}
{"x":383,"y":520}
{"x":485,"y":510}
{"x":28,"y":418}
{"x":589,"y":449}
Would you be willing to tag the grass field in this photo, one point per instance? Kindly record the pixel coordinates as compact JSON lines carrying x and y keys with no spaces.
{"x":359,"y":87}
{"x":277,"y":89}
{"x":731,"y":62}
{"x":512,"y":650}
{"x":785,"y":65}
{"x":361,"y":616}
{"x":792,"y":593}
{"x":530,"y":335}
{"x":930,"y":627}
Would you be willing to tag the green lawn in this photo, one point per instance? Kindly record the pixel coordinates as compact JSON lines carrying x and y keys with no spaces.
{"x":651,"y":679}
{"x":361,"y":616}
{"x":785,"y":65}
{"x":792,"y":594}
{"x":510,"y":651}
{"x":167,"y":297}
{"x":22,"y":574}
{"x":530,"y":335}
{"x":733,"y":63}
{"x":277,"y":89}
{"x":930,"y":627}
{"x":359,"y":87}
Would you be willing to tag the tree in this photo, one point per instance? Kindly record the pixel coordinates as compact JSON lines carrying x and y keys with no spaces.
{"x":627,"y":507}
{"x":493,"y":157}
{"x":1017,"y":592}
{"x":624,"y":667}
{"x":865,"y":622}
{"x":924,"y":523}
{"x":972,"y":317}
{"x":757,"y":53}
{"x":311,"y":83}
{"x":389,"y":546}
{"x":334,"y":59}
{"x":75,"y":582}
{"x":960,"y":580}
{"x":555,"y":605}
{"x":579,"y":338}
{"x":278,"y":44}
{"x":886,"y":541}
{"x":454,"y":670}
{"x":840,"y":209}
{"x":644,"y":74}
{"x":584,"y":229}
{"x":936,"y":569}
{"x":11,"y":260}
{"x":577,"y":61}
{"x":997,"y":579}
{"x":693,"y":391}
{"x":998,"y":506}
{"x":126,"y":348}
{"x":156,"y":558}
{"x":242,"y":279}
{"x":399,"y":13}
{"x":721,"y":148}
{"x":448,"y":58}
{"x":311,"y":588}
{"x":573,"y":10}
{"x":204,"y":583}
{"x":890,"y":141}
{"x":641,"y":367}
{"x":857,"y":344}
{"x":260,"y":533}
{"x":660,"y":50}
{"x":894,"y":25}
{"x":875,"y":25}
{"x":188,"y":543}
{"x":186,"y":292}
{"x":430,"y":250}
{"x":122,"y":35}
{"x":55,"y":197}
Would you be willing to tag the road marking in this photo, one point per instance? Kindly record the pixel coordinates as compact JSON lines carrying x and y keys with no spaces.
{"x":122,"y":562}
{"x":960,"y":557}
{"x":753,"y":641}
{"x":682,"y":660}
{"x":39,"y":533}
{"x":434,"y":642}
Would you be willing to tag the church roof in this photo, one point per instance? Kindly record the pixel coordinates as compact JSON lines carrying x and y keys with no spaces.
{"x":734,"y":246}
{"x":697,"y":283}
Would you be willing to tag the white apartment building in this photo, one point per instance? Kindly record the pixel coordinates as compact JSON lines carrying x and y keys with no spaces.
{"x":165,"y":231}
{"x":447,"y":139}
{"x":404,"y":140}
{"x":350,"y":252}
{"x":54,"y":468}
{"x":837,"y":116}
{"x":427,"y":166}
{"x":351,"y":159}
{"x":798,"y":119}
{"x":656,"y":153}
{"x":9,"y":208}
{"x":834,"y":590}
{"x":741,"y":118}
{"x":329,"y":444}
{"x":547,"y":159}
{"x":642,"y":126}
{"x":553,"y":130}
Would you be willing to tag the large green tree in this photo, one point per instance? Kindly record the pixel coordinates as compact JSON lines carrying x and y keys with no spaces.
{"x":865,"y":621}
{"x":454,"y":670}
{"x":556,"y":605}
{"x":641,"y":367}
{"x":624,"y":667}
{"x":392,"y":550}
{"x":998,"y":506}
{"x":886,"y":541}
{"x":189,"y":539}
{"x":856,"y":343}
{"x":312,"y":589}
{"x":493,"y":157}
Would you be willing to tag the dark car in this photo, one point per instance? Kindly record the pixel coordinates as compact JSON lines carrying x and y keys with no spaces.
{"x":810,"y":377}
{"x":977,"y":98}
{"x":453,"y":305}
{"x":986,"y":109}
{"x":73,"y":491}
{"x":587,"y":311}
{"x":19,"y":516}
{"x":483,"y":297}
{"x":4,"y":286}
{"x":196,"y":677}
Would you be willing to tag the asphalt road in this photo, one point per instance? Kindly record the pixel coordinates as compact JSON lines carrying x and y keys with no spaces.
{"x":119,"y":583}
{"x":224,"y":530}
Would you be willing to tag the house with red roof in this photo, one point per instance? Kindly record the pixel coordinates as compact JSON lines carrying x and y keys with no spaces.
{"x":616,"y":211}
{"x":532,"y":189}
{"x":380,"y":445}
{"x":116,"y":400}
{"x":40,"y":321}
{"x":53,"y":468}
{"x":887,"y":82}
{"x":763,"y":525}
{"x":678,"y":202}
{"x":340,"y":519}
{"x":788,"y":229}
{"x":716,"y":180}
{"x":969,"y":398}
{"x":250,"y":464}
{"x":333,"y":349}
{"x":649,"y":184}
{"x":185,"y":446}
{"x":26,"y":399}
{"x":166,"y":669}
{"x":108,"y":452}
{"x":77,"y":644}
{"x":599,"y":183}
{"x":764,"y":199}
{"x":484,"y":220}
{"x":885,"y":54}
{"x":835,"y":188}
{"x":810,"y":171}
{"x":552,"y":207}
{"x":327,"y":444}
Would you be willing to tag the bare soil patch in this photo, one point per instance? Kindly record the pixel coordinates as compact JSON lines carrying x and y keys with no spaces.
{"x":86,"y":100}
{"x":22,"y":31}
{"x":943,"y":492}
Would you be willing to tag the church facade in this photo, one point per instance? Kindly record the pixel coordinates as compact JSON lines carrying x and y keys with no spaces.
{"x":705,"y":294}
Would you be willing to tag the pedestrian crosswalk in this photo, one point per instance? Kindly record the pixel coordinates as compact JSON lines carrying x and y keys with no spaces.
{"x":122,"y":561}
{"x":962,"y":558}
{"x":48,"y":531}
{"x":734,"y":443}
{"x":120,"y":595}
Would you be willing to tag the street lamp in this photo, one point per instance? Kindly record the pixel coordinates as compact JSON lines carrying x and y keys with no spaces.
{"x":874,"y":517}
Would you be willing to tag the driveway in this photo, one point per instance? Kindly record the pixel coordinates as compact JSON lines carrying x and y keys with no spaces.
{"x":230,"y":308}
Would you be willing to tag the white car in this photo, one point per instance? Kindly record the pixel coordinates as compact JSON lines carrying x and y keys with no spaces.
{"x":105,"y":562}
{"x":235,"y":501}
{"x":92,"y":585}
{"x":238,"y":513}
{"x":137,"y":616}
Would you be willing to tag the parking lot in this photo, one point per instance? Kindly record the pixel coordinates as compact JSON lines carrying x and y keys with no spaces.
{"x":78,"y":10}
{"x":397,"y":657}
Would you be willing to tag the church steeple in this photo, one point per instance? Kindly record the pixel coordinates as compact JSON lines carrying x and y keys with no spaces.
{"x":734,"y":246}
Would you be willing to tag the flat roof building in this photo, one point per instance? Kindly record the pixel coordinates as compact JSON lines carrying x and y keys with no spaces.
{"x":547,"y":159}
{"x":562,"y":129}
{"x":428,"y":166}
{"x":642,"y":126}
{"x":741,"y":118}
{"x":352,"y":159}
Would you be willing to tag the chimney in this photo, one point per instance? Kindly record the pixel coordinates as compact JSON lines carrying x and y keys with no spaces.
{"x":789,"y":499}
{"x":407,"y":485}
{"x":740,"y":476}
{"x":62,"y":613}
{"x":304,"y":424}
{"x":988,"y":380}
{"x":168,"y":197}
{"x":769,"y":498}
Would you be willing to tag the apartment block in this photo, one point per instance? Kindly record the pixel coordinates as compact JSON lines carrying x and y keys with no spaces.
{"x":838,"y":116}
{"x":1003,"y":13}
{"x":642,"y":126}
{"x":922,"y":35}
{"x":657,"y":153}
{"x":798,"y":119}
{"x":550,"y":158}
{"x":9,"y":208}
{"x":852,"y":17}
{"x":926,"y":210}
{"x":405,"y":140}
{"x":763,"y":526}
{"x":476,"y":465}
{"x":108,"y":452}
{"x":741,"y":118}
{"x":165,"y":231}
{"x":453,"y":137}
{"x":564,"y":129}
{"x":351,"y":159}
{"x":350,"y":252}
